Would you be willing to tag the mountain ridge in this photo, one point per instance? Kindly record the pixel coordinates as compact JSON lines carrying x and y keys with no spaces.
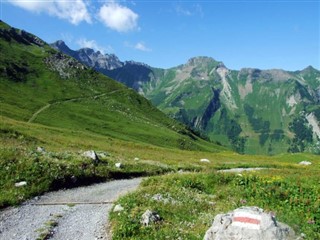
{"x":43,"y":86}
{"x":251,"y":110}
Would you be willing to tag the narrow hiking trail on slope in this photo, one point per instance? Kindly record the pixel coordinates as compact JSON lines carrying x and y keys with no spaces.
{"x":79,"y":213}
{"x":34,"y":116}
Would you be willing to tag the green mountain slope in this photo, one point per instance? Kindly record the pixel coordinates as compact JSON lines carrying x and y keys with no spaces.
{"x":253,"y":111}
{"x":43,"y":86}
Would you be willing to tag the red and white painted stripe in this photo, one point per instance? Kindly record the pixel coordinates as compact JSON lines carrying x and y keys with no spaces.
{"x":246,"y":220}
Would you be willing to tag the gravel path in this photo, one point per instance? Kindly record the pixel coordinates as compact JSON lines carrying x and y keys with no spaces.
{"x":239,"y":170}
{"x":79,"y":213}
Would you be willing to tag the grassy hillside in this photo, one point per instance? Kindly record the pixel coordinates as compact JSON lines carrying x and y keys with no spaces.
{"x":49,"y":99}
{"x":41,"y":85}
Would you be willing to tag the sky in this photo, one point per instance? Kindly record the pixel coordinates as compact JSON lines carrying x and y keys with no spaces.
{"x":245,"y":33}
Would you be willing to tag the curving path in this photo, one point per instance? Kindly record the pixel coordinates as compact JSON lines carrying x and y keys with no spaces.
{"x":79,"y":213}
{"x":33,"y":117}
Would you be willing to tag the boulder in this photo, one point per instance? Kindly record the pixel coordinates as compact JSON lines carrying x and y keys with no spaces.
{"x":306,"y":163}
{"x":92,"y":155}
{"x":150,"y":217}
{"x":248,"y":223}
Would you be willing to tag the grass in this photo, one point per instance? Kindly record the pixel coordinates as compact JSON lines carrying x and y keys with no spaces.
{"x":89,"y":111}
{"x":190,"y":201}
{"x":46,"y":231}
{"x":54,"y":169}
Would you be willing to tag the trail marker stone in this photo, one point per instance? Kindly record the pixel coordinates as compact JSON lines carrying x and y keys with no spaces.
{"x":248,"y":223}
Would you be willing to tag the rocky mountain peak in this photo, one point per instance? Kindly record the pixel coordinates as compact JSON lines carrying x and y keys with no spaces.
{"x":60,"y":43}
{"x":200,"y":60}
{"x":90,"y":57}
{"x":254,"y":74}
{"x":88,"y":51}
{"x":310,"y":70}
{"x":131,"y":62}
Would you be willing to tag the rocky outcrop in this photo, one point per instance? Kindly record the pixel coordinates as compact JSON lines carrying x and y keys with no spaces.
{"x":131,"y":73}
{"x":66,"y":66}
{"x":20,"y":36}
{"x":150,"y":217}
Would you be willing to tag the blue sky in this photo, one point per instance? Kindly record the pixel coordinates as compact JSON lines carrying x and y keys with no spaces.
{"x":252,"y":33}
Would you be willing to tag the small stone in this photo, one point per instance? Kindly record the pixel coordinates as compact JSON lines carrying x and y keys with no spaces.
{"x":20,"y":184}
{"x":205,"y":160}
{"x":157,"y":197}
{"x":74,"y":179}
{"x":136,"y":159}
{"x":150,"y":217}
{"x":118,"y":165}
{"x":118,"y":208}
{"x":306,"y":163}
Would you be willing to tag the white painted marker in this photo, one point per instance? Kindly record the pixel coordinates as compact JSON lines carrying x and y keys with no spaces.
{"x":246,"y":220}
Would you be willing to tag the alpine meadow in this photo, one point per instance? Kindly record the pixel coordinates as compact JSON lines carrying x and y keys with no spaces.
{"x":181,"y":129}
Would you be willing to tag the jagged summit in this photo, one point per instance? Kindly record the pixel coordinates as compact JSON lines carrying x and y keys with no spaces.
{"x":90,"y":57}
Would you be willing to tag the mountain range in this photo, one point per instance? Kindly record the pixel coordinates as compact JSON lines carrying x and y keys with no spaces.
{"x":250,"y":110}
{"x":42,"y":86}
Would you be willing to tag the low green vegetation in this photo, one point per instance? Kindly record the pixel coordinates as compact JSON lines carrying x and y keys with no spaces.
{"x":49,"y":100}
{"x":188,"y":202}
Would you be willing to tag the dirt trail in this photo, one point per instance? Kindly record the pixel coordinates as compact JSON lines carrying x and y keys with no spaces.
{"x":33,"y":117}
{"x":79,"y":213}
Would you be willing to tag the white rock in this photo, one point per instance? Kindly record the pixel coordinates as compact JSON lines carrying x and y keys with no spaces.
{"x":91,"y":154}
{"x":20,"y":184}
{"x":118,"y":208}
{"x":41,"y":150}
{"x":118,"y":165}
{"x":149,"y":217}
{"x":248,"y":223}
{"x":136,"y":159}
{"x":306,"y":163}
{"x":204,"y":160}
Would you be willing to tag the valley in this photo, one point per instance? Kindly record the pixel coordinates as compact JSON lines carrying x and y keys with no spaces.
{"x":176,"y":127}
{"x":260,"y":105}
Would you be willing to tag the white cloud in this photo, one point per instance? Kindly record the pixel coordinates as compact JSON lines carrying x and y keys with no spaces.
{"x":138,"y":46}
{"x":67,"y":37}
{"x":182,"y":11}
{"x":117,"y":17}
{"x":142,"y":47}
{"x":73,"y":11}
{"x":84,"y":43}
{"x":196,"y":10}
